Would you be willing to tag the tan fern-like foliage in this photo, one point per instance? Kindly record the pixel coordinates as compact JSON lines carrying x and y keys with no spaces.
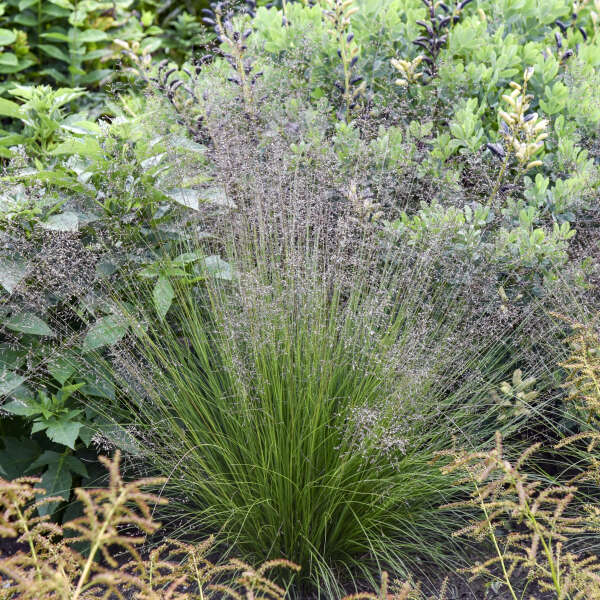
{"x":398,"y":590}
{"x":583,"y":365}
{"x":537,"y":520}
{"x":583,"y":385}
{"x":118,"y":517}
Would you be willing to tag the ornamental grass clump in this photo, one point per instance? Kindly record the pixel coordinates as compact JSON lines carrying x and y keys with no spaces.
{"x":295,"y":399}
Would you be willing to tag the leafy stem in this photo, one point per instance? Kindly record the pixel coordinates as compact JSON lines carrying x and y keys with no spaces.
{"x":499,"y":179}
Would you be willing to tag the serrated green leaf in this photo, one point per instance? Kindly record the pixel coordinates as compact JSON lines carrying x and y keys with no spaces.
{"x":185,"y":197}
{"x":9,"y":381}
{"x":30,"y":324}
{"x":56,"y":481}
{"x":58,"y":477}
{"x":101,"y":386}
{"x":10,"y":358}
{"x":86,"y":433}
{"x":12,"y":272}
{"x":21,"y":408}
{"x":187,"y":257}
{"x":64,"y":432}
{"x":163,"y":295}
{"x":105,"y":332}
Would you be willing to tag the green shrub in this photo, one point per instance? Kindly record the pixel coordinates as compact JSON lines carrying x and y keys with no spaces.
{"x":72,"y":44}
{"x":64,"y":229}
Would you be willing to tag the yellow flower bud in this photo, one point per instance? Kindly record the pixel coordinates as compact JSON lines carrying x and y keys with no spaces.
{"x":528,"y":73}
{"x":509,"y":100}
{"x":533,"y":164}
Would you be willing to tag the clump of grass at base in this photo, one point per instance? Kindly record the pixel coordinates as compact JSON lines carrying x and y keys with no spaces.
{"x":295,"y":409}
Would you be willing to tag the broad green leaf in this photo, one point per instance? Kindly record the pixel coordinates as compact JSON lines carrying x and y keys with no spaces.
{"x":101,"y":386}
{"x":29,"y":323}
{"x":38,"y":425}
{"x":21,"y":408}
{"x":8,"y":108}
{"x":12,"y":272}
{"x":86,"y":433}
{"x":8,"y":59}
{"x":58,"y":478}
{"x":23,"y":4}
{"x":218,"y":196}
{"x":55,"y":52}
{"x":18,"y":454}
{"x":7,"y":37}
{"x":187,"y":257}
{"x":28,"y":19}
{"x":64,"y":432}
{"x":95,"y":76}
{"x":56,"y":481}
{"x":163,"y":295}
{"x":63,"y":4}
{"x":151,"y":44}
{"x":9,"y":381}
{"x":50,"y":457}
{"x":10,"y":358}
{"x":56,"y":75}
{"x":87,"y":146}
{"x":185,"y":197}
{"x":104,"y":332}
{"x":118,"y":435}
{"x":83,"y":127}
{"x":66,"y":221}
{"x":61,"y":368}
{"x":21,"y":65}
{"x":61,"y":37}
{"x":98,"y":54}
{"x":91,"y":35}
{"x":218,"y":268}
